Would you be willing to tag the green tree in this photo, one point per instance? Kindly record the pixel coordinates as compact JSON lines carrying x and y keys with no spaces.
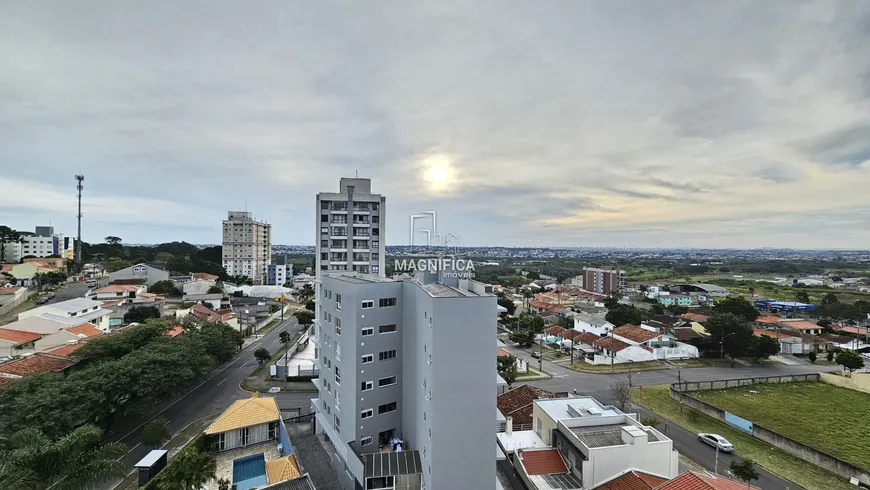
{"x":532,"y":323}
{"x":155,"y":432}
{"x":802,"y":297}
{"x":112,"y":240}
{"x":507,"y":368}
{"x":215,"y":290}
{"x":304,"y":317}
{"x":508,"y":305}
{"x":165,"y":288}
{"x":764,"y":347}
{"x":533,"y":276}
{"x":78,"y":459}
{"x":677,"y":310}
{"x":240,"y":280}
{"x":734,"y":334}
{"x":829,"y":299}
{"x":284,"y":337}
{"x":310,"y":305}
{"x":123,"y":342}
{"x":305,"y":293}
{"x":830,"y":356}
{"x":744,"y":470}
{"x":738,"y":306}
{"x":812,"y":356}
{"x":825,"y":324}
{"x":612,"y":301}
{"x":622,"y":314}
{"x":140,"y":314}
{"x":850,"y":360}
{"x":262,"y":354}
{"x":657,"y":309}
{"x":190,"y":469}
{"x":524,"y":339}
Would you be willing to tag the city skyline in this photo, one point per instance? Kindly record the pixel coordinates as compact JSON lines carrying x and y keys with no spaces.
{"x":584,"y":125}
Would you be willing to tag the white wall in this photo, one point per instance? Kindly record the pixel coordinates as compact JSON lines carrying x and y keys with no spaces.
{"x":629,"y":354}
{"x":604,"y":463}
{"x":582,"y":326}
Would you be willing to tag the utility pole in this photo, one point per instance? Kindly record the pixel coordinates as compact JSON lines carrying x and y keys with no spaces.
{"x":716,"y":470}
{"x":78,"y":248}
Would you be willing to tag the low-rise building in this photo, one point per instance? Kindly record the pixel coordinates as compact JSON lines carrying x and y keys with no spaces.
{"x":662,"y":344}
{"x":676,"y":300}
{"x":73,"y":312}
{"x":15,"y":343}
{"x":802,"y":325}
{"x":35,"y":364}
{"x":124,"y":292}
{"x":517,"y":405}
{"x":610,"y":350}
{"x":147,"y":274}
{"x":594,"y":323}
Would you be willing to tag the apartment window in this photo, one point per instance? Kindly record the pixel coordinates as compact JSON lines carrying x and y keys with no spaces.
{"x":387,"y":408}
{"x":375,"y":243}
{"x":375,"y":232}
{"x":338,"y":326}
{"x":387,"y":355}
{"x":337,"y":352}
{"x":324,"y":243}
{"x":337,"y":301}
{"x":375,"y":206}
{"x":386,"y":302}
{"x":365,"y":441}
{"x":324,"y":218}
{"x":375,"y":219}
{"x":367,"y":331}
{"x":375,"y":256}
{"x":337,"y":424}
{"x":324,"y":255}
{"x":324,"y":205}
{"x":367,"y":358}
{"x":324,"y":230}
{"x":368,"y":303}
{"x":387,"y":328}
{"x":337,"y":400}
{"x":375,"y":269}
{"x":366,"y":385}
{"x":388,"y":381}
{"x":337,"y":376}
{"x":367,"y":413}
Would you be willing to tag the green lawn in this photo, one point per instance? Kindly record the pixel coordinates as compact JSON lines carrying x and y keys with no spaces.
{"x":811,"y":477}
{"x":585,"y":367}
{"x":829,"y":418}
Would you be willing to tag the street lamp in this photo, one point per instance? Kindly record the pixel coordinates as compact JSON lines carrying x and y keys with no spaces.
{"x":722,"y":344}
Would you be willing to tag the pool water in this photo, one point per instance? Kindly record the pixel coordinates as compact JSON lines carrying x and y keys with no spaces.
{"x":249,"y":472}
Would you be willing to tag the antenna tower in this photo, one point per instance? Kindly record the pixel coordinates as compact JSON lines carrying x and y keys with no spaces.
{"x":78,"y":247}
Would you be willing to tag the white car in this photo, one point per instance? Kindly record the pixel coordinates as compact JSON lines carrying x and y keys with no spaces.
{"x":716,"y":440}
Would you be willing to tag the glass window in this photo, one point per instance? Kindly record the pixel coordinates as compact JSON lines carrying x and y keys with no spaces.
{"x":387,"y":328}
{"x":387,"y":302}
{"x":338,"y":326}
{"x":366,"y":385}
{"x":367,"y":331}
{"x":337,"y":376}
{"x":365,"y":441}
{"x":324,"y":230}
{"x":367,"y":413}
{"x":367,"y":358}
{"x":387,"y":408}
{"x":368,"y":303}
{"x":387,"y":355}
{"x":388,"y":381}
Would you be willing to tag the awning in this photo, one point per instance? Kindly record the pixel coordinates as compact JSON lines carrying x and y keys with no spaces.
{"x":392,"y":464}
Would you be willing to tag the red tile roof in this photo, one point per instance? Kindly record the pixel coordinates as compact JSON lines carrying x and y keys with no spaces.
{"x":695,"y":481}
{"x":543,"y":462}
{"x":685,"y":333}
{"x":65,"y":350}
{"x":86,"y":329}
{"x":205,"y":313}
{"x":555,"y":330}
{"x":541,"y":305}
{"x":572,"y":334}
{"x":768,"y":319}
{"x":117,"y":288}
{"x":37,"y":363}
{"x":205,"y":275}
{"x":694,"y":317}
{"x":635,"y":334}
{"x":800,"y":324}
{"x":633,"y":480}
{"x":588,"y":338}
{"x":518,"y":402}
{"x":9,"y":290}
{"x":175,"y":332}
{"x":611,"y":344}
{"x":18,"y":337}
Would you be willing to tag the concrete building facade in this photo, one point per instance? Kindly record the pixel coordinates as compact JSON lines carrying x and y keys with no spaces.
{"x":247,"y":246}
{"x":349,"y":229}
{"x":402,"y":359}
{"x":279,"y":271}
{"x":603,"y":280}
{"x":144,"y":273}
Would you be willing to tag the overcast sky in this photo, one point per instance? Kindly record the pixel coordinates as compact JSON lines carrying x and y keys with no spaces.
{"x":586,"y":123}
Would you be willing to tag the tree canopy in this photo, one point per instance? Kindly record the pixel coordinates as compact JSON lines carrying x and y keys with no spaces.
{"x":165,"y":288}
{"x":850,"y":360}
{"x":622,"y":314}
{"x":508,"y":305}
{"x":734,"y":333}
{"x":507,"y":368}
{"x":139,"y":314}
{"x":737,"y":306}
{"x":305,"y":317}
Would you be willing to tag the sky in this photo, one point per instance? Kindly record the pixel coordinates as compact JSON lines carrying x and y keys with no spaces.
{"x":671,"y":123}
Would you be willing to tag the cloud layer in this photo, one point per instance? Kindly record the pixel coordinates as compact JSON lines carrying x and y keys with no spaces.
{"x":669,"y":123}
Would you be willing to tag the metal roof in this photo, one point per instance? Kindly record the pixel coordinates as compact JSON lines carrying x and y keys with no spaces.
{"x":392,"y":464}
{"x":605,"y":435}
{"x":150,"y":458}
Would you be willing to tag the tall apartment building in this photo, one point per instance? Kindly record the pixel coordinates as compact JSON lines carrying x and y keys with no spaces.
{"x":349,"y":229}
{"x":44,"y":243}
{"x":604,"y":280}
{"x":406,"y":359}
{"x":247,"y":246}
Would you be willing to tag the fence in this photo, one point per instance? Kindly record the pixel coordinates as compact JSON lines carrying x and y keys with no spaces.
{"x":15,"y":302}
{"x":807,"y":453}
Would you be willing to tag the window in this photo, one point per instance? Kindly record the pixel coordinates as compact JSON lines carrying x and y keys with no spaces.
{"x":243,"y":436}
{"x":375,"y":243}
{"x":324,"y":243}
{"x":375,"y":219}
{"x":324,"y":230}
{"x":387,"y":408}
{"x":375,"y":269}
{"x":366,"y":385}
{"x":367,"y":413}
{"x":387,"y":355}
{"x":387,"y":302}
{"x":375,"y":256}
{"x":337,"y":424}
{"x":324,"y":218}
{"x":388,"y":381}
{"x":367,"y":331}
{"x":365,"y":441}
{"x":387,"y":328}
{"x":337,"y":301}
{"x":337,"y":351}
{"x":338,"y":326}
{"x":324,"y":205}
{"x":337,"y":376}
{"x":337,"y":400}
{"x":367,"y":358}
{"x":375,"y":206}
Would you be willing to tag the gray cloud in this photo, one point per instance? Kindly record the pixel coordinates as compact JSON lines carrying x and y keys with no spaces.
{"x":577,"y":123}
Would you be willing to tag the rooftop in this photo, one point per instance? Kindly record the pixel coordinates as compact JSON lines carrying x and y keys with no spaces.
{"x":607,"y":435}
{"x":799,"y":324}
{"x":18,"y":337}
{"x":392,"y":464}
{"x":633,"y":333}
{"x":632,"y":480}
{"x":695,"y":317}
{"x":284,"y":468}
{"x":300,"y":483}
{"x":117,"y":288}
{"x":696,"y":481}
{"x":773,"y":319}
{"x":444,"y":291}
{"x":37,"y":363}
{"x":245,"y":413}
{"x":569,"y":408}
{"x":9,"y":290}
{"x":74,"y":305}
{"x":517,"y":403}
{"x":65,"y":350}
{"x":78,"y":319}
{"x":611,"y":344}
{"x":543,"y":462}
{"x":36,"y":324}
{"x":86,"y":329}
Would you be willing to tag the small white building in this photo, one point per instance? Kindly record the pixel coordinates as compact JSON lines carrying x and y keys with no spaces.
{"x":662,"y":345}
{"x":584,"y":322}
{"x":124,"y":292}
{"x":73,"y":312}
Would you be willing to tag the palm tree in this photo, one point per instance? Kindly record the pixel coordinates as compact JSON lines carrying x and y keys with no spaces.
{"x":190,"y":469}
{"x":78,"y":460}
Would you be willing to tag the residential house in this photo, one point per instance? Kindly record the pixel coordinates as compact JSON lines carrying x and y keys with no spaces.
{"x":25,"y":274}
{"x":73,"y":312}
{"x":52,"y":333}
{"x":11,"y":294}
{"x":804,"y":326}
{"x":791,"y":341}
{"x":595,"y":323}
{"x":123,"y":292}
{"x":15,"y":343}
{"x":542,"y":284}
{"x":540,"y":307}
{"x":834,"y":341}
{"x":215,"y":300}
{"x":589,"y":444}
{"x":555,"y":298}
{"x":65,"y":350}
{"x":249,"y":421}
{"x":767,"y":321}
{"x":675,"y":299}
{"x":694,"y":317}
{"x":35,"y":364}
{"x":522,"y":364}
{"x":147,"y":274}
{"x":632,"y":480}
{"x":691,"y":480}
{"x":517,"y":403}
{"x":663,"y":345}
{"x":611,"y":350}
{"x":299,"y":483}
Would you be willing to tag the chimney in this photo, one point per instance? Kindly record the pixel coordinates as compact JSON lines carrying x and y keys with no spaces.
{"x":509,"y":426}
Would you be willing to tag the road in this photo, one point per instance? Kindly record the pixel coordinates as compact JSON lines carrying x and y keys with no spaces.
{"x":213,"y":396}
{"x":685,"y":441}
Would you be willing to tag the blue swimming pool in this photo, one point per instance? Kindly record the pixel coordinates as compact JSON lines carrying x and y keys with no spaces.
{"x":249,"y":472}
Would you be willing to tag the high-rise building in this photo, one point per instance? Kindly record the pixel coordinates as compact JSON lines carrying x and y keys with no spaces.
{"x":44,"y":243}
{"x":604,"y":280}
{"x":279,"y":271}
{"x":403,"y":363}
{"x":349,"y":229}
{"x":247,"y":246}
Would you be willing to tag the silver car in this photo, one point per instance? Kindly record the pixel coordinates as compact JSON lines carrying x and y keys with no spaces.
{"x":718,"y":441}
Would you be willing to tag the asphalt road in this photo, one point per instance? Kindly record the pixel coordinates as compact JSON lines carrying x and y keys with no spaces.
{"x":214,"y":395}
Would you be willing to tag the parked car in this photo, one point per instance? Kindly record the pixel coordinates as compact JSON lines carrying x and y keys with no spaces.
{"x":50,"y":296}
{"x":92,"y":284}
{"x":42,"y":300}
{"x":716,"y":440}
{"x":536,"y":355}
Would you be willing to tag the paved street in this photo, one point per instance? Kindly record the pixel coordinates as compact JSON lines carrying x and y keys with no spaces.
{"x":214,"y":395}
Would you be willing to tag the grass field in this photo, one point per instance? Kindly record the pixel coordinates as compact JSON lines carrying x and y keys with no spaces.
{"x":826,"y":417}
{"x":658,"y":399}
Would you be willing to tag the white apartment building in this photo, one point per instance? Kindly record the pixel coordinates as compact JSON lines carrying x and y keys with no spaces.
{"x":402,"y":360}
{"x":350,"y":224}
{"x":247,"y":246}
{"x":45,"y":243}
{"x":73,"y":312}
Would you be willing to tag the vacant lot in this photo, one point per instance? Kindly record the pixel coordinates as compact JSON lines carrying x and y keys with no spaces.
{"x":826,"y":417}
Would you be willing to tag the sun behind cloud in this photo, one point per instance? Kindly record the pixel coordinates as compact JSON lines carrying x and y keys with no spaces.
{"x":438,"y":173}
